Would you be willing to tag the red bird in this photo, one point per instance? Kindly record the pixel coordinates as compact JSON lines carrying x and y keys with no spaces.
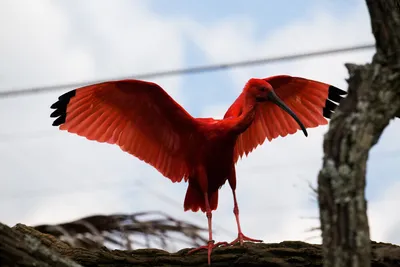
{"x":146,"y":122}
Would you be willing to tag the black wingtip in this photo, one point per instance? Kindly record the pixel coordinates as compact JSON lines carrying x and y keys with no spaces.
{"x":334,"y":95}
{"x":337,"y":90}
{"x":60,"y":107}
{"x":60,"y":120}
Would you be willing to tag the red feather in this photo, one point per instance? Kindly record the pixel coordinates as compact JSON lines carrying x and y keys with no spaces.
{"x":143,"y":120}
{"x":306,"y":98}
{"x":138,"y":116}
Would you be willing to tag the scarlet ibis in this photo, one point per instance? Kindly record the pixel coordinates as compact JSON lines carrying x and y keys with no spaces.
{"x":143,"y":120}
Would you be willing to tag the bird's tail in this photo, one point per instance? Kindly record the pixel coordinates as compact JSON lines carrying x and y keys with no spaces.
{"x":194,"y":199}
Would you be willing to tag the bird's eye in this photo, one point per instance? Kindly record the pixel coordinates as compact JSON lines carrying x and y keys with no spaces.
{"x":262,"y":89}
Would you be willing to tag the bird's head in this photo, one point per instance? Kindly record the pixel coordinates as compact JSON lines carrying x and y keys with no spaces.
{"x":259,"y":89}
{"x":263,"y":91}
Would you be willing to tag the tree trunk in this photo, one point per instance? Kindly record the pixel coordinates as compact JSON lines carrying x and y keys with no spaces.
{"x":25,"y":246}
{"x":373,"y":100}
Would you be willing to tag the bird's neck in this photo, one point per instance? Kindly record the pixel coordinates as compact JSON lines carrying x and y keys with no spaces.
{"x":245,"y":119}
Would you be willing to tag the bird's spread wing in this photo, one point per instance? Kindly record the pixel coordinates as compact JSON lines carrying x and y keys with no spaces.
{"x":310,"y":100}
{"x":138,"y":116}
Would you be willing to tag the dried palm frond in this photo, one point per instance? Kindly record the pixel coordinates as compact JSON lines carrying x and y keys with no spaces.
{"x":126,"y":231}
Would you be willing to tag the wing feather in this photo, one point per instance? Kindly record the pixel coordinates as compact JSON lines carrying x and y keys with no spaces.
{"x":138,"y":116}
{"x":310,"y":100}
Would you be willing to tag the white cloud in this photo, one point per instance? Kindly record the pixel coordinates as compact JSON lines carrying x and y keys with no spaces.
{"x":45,"y":43}
{"x":60,"y":177}
{"x":271,"y":206}
{"x":322,"y":30}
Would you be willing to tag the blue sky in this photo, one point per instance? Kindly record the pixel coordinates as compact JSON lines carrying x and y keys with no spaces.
{"x":269,"y":15}
{"x":52,"y":176}
{"x":265,"y":18}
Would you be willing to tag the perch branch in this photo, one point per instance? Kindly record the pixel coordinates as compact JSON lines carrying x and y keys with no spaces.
{"x":25,"y":246}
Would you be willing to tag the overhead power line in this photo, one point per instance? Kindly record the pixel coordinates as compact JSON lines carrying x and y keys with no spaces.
{"x":192,"y":70}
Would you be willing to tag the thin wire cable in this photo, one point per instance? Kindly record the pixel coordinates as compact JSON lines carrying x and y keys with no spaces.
{"x":192,"y":70}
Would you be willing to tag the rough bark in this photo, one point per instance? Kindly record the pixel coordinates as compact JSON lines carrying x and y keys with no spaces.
{"x":373,"y":100}
{"x":25,"y":246}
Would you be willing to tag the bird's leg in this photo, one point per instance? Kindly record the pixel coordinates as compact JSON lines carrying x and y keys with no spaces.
{"x":241,"y":237}
{"x":211,"y":243}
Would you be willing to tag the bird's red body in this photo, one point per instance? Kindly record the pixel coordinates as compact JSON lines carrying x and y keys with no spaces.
{"x":146,"y":122}
{"x":215,"y":155}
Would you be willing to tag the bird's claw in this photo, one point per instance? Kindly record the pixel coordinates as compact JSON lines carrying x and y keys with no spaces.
{"x":210,"y":245}
{"x":241,"y":238}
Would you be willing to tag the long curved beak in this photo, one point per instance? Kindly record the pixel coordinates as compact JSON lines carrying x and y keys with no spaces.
{"x":276,"y":100}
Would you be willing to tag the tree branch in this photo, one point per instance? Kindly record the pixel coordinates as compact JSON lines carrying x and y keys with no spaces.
{"x":373,"y":100}
{"x":25,"y":246}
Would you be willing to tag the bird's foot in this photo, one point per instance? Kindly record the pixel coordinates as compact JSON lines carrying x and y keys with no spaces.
{"x":241,"y":238}
{"x":211,"y":244}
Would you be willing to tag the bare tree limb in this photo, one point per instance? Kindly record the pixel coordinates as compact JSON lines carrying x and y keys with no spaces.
{"x":25,"y":246}
{"x":373,"y":100}
{"x":121,"y":231}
